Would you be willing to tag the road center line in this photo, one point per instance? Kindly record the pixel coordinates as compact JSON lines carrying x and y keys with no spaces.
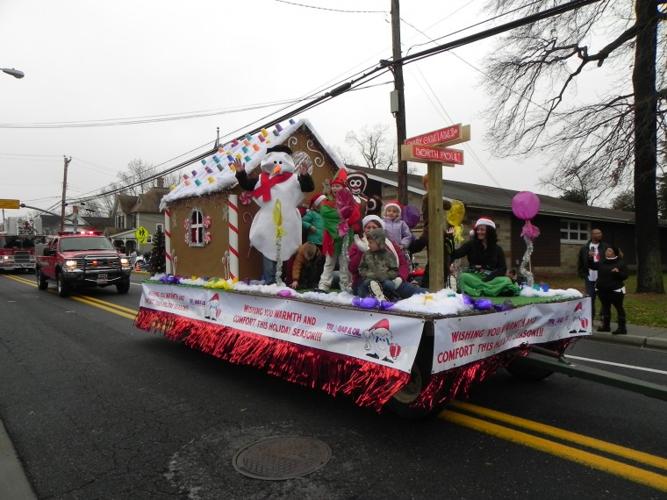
{"x":562,"y":434}
{"x":630,"y":472}
{"x":620,"y":365}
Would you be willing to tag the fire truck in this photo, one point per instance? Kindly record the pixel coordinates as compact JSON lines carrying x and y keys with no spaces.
{"x":80,"y":260}
{"x":17,"y":246}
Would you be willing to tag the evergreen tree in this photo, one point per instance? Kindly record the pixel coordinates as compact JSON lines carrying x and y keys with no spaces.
{"x":157,"y":262}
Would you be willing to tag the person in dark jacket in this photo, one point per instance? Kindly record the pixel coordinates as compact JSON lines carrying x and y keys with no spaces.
{"x":486,"y":273}
{"x":612,"y":272}
{"x":593,"y":249}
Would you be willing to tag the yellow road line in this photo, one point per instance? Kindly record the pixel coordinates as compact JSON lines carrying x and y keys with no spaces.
{"x":573,"y":437}
{"x":109,"y":304}
{"x":100,"y":304}
{"x":630,"y":472}
{"x":103,"y":307}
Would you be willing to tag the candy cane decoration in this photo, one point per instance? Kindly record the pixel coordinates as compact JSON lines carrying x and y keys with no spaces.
{"x":233,"y":234}
{"x":167,"y":241}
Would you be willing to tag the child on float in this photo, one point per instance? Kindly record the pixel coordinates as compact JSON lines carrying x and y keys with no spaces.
{"x":486,"y":273}
{"x":612,"y":272}
{"x":378,"y":267}
{"x":307,"y":266}
{"x":396,"y":228}
{"x":403,"y":288}
{"x":312,"y":222}
{"x":341,"y":216}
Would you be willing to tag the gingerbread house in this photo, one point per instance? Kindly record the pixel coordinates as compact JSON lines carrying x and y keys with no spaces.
{"x":208,"y":216}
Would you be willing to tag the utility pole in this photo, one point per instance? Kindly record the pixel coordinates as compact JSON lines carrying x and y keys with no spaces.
{"x":398,"y":101}
{"x":62,"y":204}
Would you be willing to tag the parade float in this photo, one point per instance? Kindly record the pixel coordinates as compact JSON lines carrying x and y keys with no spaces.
{"x":412,"y":356}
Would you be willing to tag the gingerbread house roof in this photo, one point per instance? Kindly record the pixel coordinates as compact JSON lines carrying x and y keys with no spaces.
{"x":215,"y":172}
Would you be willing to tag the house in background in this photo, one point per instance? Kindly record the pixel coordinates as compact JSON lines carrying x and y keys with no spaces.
{"x":50,"y":224}
{"x":564,"y":225}
{"x":132,"y":212}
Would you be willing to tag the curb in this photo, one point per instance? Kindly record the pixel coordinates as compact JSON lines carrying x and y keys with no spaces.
{"x":13,"y":482}
{"x":633,"y":340}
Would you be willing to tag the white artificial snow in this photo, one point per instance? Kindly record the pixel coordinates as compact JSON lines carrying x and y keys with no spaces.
{"x":570,"y":293}
{"x":444,"y":302}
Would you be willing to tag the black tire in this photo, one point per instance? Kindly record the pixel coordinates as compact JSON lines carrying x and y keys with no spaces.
{"x":62,"y":286}
{"x":401,"y":401}
{"x":123,"y":287}
{"x":42,"y":283}
{"x":523,"y":370}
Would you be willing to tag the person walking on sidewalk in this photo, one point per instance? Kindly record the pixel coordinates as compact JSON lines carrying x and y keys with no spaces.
{"x":612,"y":272}
{"x":594,"y":249}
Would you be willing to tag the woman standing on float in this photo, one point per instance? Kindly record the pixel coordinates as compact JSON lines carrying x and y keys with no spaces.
{"x":486,"y":274}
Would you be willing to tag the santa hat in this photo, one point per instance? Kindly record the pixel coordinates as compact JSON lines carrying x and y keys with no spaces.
{"x":340,"y":177}
{"x":316,"y":199}
{"x":215,"y":296}
{"x":485,"y":221}
{"x":392,"y":203}
{"x":372,"y":218}
{"x":383,"y":323}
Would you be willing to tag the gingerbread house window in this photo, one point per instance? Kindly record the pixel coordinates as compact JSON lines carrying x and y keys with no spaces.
{"x":196,"y":228}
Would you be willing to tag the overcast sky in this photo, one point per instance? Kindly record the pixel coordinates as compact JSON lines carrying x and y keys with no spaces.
{"x":94,"y":60}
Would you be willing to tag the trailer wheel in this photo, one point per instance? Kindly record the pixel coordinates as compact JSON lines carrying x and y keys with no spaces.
{"x":42,"y":282}
{"x":522,"y":369}
{"x":61,"y":285}
{"x":401,"y":401}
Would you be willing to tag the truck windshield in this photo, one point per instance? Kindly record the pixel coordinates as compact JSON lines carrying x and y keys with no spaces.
{"x":16,"y":242}
{"x":86,"y":243}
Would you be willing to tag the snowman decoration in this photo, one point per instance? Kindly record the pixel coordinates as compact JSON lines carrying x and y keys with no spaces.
{"x":378,"y":341}
{"x":277,"y":184}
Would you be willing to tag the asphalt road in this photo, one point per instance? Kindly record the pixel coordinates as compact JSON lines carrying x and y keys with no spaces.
{"x":99,"y":409}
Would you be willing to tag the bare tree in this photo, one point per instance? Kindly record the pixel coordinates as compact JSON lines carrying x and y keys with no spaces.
{"x":611,"y":139}
{"x":374,"y":147}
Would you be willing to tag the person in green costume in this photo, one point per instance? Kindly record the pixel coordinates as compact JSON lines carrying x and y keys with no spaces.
{"x":486,"y":274}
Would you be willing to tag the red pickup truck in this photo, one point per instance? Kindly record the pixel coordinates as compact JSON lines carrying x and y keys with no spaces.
{"x":78,"y":260}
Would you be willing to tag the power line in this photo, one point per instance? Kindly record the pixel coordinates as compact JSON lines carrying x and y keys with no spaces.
{"x":344,"y":11}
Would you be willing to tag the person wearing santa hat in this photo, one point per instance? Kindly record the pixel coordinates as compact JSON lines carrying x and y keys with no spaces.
{"x":396,"y":228}
{"x":312,"y":222}
{"x":341,"y":216}
{"x":486,"y":273}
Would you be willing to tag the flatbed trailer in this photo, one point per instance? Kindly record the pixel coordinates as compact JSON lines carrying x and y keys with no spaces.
{"x":410,"y":362}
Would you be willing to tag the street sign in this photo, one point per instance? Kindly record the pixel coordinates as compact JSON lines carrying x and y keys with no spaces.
{"x":447,"y":156}
{"x":141,"y":234}
{"x":10,"y":204}
{"x":447,"y":136}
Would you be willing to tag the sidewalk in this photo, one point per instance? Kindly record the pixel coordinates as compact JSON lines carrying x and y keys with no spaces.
{"x":14,"y":484}
{"x":639,"y":336}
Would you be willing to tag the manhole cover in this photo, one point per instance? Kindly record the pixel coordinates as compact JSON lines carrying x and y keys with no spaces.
{"x":280,"y":458}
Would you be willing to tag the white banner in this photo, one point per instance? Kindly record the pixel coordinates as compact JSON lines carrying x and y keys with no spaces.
{"x":378,"y":337}
{"x":459,"y":341}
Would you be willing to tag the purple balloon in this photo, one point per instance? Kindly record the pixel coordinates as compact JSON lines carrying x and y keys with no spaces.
{"x":285,"y":293}
{"x":525,"y":205}
{"x":410,"y":215}
{"x":369,"y":303}
{"x":467,"y":300}
{"x":483,"y":304}
{"x":386,"y":304}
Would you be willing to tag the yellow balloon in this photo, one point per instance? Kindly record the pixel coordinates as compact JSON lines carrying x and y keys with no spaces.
{"x":456,"y":213}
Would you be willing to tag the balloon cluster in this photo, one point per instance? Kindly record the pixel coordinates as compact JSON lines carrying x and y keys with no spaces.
{"x":372,"y":303}
{"x":170,"y":279}
{"x":455,"y":217}
{"x":411,"y":216}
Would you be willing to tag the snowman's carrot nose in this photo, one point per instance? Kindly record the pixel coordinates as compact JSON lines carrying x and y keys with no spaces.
{"x":277,"y":169}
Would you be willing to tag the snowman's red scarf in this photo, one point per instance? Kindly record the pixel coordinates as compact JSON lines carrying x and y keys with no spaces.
{"x":267,"y":182}
{"x":368,"y":384}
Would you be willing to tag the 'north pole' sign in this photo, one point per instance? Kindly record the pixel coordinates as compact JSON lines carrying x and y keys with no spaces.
{"x":448,"y":156}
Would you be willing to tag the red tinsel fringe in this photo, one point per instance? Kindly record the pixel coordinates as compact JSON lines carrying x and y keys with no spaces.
{"x":368,"y":384}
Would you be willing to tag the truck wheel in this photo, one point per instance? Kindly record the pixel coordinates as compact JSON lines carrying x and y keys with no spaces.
{"x":123,"y":287}
{"x":42,"y":283}
{"x":523,"y":370}
{"x":62,"y":286}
